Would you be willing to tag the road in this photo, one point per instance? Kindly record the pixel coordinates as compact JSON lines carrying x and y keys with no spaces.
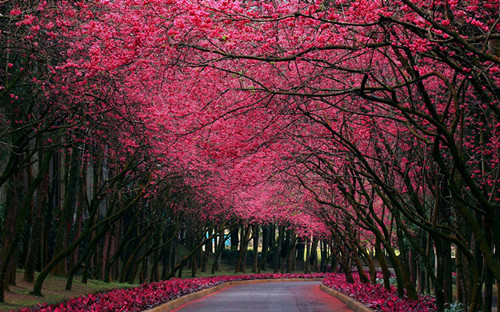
{"x":272,"y":297}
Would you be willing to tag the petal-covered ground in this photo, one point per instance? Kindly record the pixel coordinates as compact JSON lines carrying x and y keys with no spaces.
{"x":377,"y":297}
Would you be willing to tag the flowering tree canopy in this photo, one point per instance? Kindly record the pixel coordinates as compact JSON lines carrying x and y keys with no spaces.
{"x":336,"y":118}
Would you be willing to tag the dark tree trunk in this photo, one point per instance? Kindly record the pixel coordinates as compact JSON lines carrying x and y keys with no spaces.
{"x":256,"y":230}
{"x":90,"y":250}
{"x":324,"y":256}
{"x":245,"y":239}
{"x":290,"y":259}
{"x":165,"y":258}
{"x":37,"y":287}
{"x":34,"y":239}
{"x":301,"y":248}
{"x":194,"y":263}
{"x":68,"y":208}
{"x":220,"y":247}
{"x":265,"y":247}
{"x":174,"y":252}
{"x":235,"y":237}
{"x":312,"y":255}
{"x":277,"y":249}
{"x":129,"y":265}
{"x":144,"y":271}
{"x":307,"y":267}
{"x":11,"y":224}
{"x":14,"y":227}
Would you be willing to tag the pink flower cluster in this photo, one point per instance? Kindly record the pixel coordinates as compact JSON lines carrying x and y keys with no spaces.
{"x":377,"y":297}
{"x":150,"y":295}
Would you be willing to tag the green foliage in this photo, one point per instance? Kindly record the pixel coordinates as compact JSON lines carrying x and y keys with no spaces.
{"x":455,"y":307}
{"x":393,"y":281}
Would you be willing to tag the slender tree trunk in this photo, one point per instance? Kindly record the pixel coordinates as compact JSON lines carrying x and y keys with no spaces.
{"x":17,"y":225}
{"x":386,"y":273}
{"x":235,"y":237}
{"x":173,"y":258}
{"x":89,"y":251}
{"x":265,"y":247}
{"x":487,"y":275}
{"x":256,"y":230}
{"x":307,"y":267}
{"x":178,"y":266}
{"x":488,"y":290}
{"x":220,"y":247}
{"x":144,"y":270}
{"x":285,"y":249}
{"x":12,"y":225}
{"x":370,"y":263}
{"x":37,"y":288}
{"x":196,"y":262}
{"x":312,"y":254}
{"x":245,"y":239}
{"x":277,"y":250}
{"x":69,"y":204}
{"x":300,"y":254}
{"x":129,"y":264}
{"x":324,"y":257}
{"x":207,"y":253}
{"x":291,"y":253}
{"x":155,"y":268}
{"x":34,"y":245}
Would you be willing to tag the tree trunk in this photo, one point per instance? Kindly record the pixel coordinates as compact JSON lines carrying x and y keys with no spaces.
{"x":307,"y":267}
{"x":277,"y":250}
{"x":265,"y":247}
{"x":311,"y":255}
{"x":255,"y":266}
{"x":89,"y":251}
{"x":36,"y":232}
{"x":144,"y":270}
{"x":218,"y":252}
{"x":245,"y":239}
{"x":386,"y":273}
{"x":155,"y":269}
{"x":37,"y":287}
{"x":130,"y":263}
{"x":16,"y":225}
{"x":301,"y":247}
{"x":68,"y":208}
{"x":488,"y":290}
{"x":235,"y":237}
{"x":290,"y":259}
{"x":13,"y":224}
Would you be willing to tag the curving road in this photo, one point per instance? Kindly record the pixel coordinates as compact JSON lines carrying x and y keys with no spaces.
{"x":271,"y":297}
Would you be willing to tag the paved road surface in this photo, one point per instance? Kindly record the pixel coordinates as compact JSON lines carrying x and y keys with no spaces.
{"x":270,"y":297}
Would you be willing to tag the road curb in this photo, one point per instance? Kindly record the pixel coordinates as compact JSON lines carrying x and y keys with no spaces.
{"x":351,"y":303}
{"x":174,"y":304}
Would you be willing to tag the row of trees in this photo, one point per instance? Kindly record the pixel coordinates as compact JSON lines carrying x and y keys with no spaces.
{"x":373,"y":125}
{"x":85,"y":188}
{"x":396,"y":107}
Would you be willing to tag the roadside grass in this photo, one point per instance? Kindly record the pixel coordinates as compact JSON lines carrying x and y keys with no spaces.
{"x":53,"y":291}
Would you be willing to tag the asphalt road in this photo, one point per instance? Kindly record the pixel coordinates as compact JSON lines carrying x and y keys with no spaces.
{"x":271,"y":297}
